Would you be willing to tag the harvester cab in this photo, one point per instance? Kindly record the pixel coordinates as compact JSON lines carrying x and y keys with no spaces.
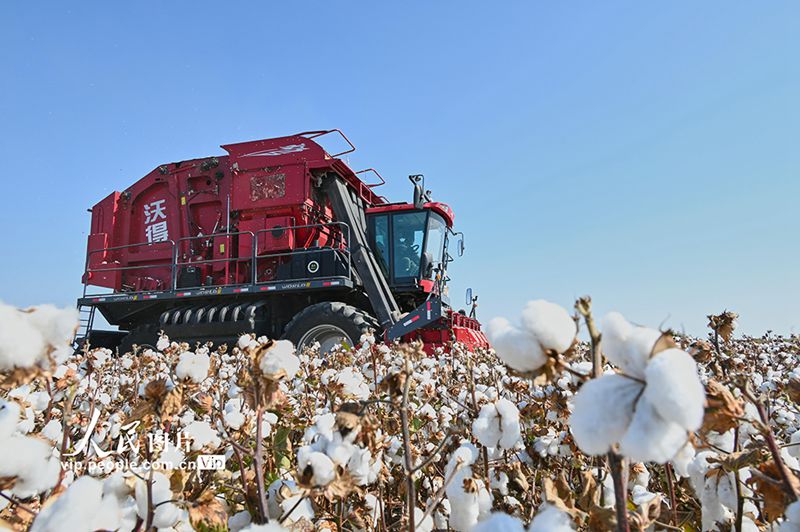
{"x":279,"y":237}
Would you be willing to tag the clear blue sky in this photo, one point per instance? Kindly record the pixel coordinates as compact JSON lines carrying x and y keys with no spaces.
{"x":646,"y":154}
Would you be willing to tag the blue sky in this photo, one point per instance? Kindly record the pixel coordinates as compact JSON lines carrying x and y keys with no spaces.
{"x":643,"y":153}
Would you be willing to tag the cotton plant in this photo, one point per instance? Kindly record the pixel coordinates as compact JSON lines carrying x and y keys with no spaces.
{"x":497,"y":425}
{"x":29,"y":337}
{"x":544,"y":328}
{"x":484,"y":439}
{"x":649,"y":406}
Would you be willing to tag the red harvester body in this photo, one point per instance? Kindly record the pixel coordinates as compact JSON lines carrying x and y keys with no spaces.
{"x":277,"y":237}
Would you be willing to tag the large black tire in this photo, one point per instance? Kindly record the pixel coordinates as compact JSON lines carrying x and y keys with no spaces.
{"x":326,"y":321}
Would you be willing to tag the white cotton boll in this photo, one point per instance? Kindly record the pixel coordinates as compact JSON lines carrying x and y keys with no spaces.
{"x":793,"y":449}
{"x":486,"y":427}
{"x":282,"y":496}
{"x":57,"y":326}
{"x":551,"y":519}
{"x":465,"y":504}
{"x":9,"y":417}
{"x":21,"y":343}
{"x":193,"y":366}
{"x":681,"y":461}
{"x":353,"y":383}
{"x":166,"y":514}
{"x":52,"y":431}
{"x":509,"y":424}
{"x":362,"y":467}
{"x":515,"y":348}
{"x":202,"y":435}
{"x":650,"y":437}
{"x":31,"y":461}
{"x":626,"y":345}
{"x":320,"y":467}
{"x":239,"y":520}
{"x":279,"y":360}
{"x":269,"y":527}
{"x":550,"y":324}
{"x":423,"y":525}
{"x":163,"y":342}
{"x":81,"y":508}
{"x":499,"y":522}
{"x":640,"y":496}
{"x":792,"y":518}
{"x":602,"y":411}
{"x":674,"y":388}
{"x":233,"y":416}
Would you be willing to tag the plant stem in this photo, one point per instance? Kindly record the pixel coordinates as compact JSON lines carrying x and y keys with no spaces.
{"x":584,"y":307}
{"x":410,"y":492}
{"x":258,"y":465}
{"x":620,"y":491}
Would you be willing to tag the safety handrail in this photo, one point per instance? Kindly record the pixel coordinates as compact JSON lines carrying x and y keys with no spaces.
{"x":343,"y":227}
{"x":179,"y":263}
{"x":87,"y":270}
{"x":340,"y":243}
{"x":323,"y":132}
{"x":373,"y":185}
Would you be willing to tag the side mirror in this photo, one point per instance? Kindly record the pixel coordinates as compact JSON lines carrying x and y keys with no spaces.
{"x":469,"y":296}
{"x":418,"y":180}
{"x":426,"y":265}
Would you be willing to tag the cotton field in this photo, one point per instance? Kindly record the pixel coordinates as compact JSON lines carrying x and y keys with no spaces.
{"x":632,"y":429}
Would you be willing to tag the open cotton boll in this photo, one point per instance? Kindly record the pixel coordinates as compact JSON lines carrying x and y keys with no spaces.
{"x":626,"y":345}
{"x":81,"y":508}
{"x":282,"y":496}
{"x":163,"y":342}
{"x":680,"y":462}
{"x":509,"y":424}
{"x":21,"y":343}
{"x":499,"y":522}
{"x":193,"y":366}
{"x":515,"y":348}
{"x":233,"y":416}
{"x":29,"y":460}
{"x":166,"y":513}
{"x":650,"y":437}
{"x":269,"y":527}
{"x":497,"y":425}
{"x":793,"y":449}
{"x":792,"y":518}
{"x":202,"y":435}
{"x":551,"y":519}
{"x":674,"y":388}
{"x":550,"y":324}
{"x":423,"y":525}
{"x":57,"y":326}
{"x":9,"y":417}
{"x":468,"y":497}
{"x":317,"y":467}
{"x":486,"y":427}
{"x":602,"y":411}
{"x":280,"y":360}
{"x":353,"y":383}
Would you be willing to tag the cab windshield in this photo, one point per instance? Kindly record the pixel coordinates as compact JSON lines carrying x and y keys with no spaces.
{"x":400,"y":240}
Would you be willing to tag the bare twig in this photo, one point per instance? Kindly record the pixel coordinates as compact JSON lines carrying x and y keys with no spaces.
{"x":584,"y":307}
{"x":411,"y":495}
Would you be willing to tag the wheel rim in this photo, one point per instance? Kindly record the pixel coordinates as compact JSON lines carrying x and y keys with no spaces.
{"x":328,"y":336}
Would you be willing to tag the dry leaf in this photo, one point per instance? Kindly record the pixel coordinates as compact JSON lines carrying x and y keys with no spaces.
{"x":722,"y":409}
{"x":209,"y":512}
{"x":723,"y":324}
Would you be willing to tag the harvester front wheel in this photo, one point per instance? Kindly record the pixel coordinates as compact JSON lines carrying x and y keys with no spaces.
{"x":330,"y":324}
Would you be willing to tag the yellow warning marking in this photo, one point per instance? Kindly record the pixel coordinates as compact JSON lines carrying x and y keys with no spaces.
{"x":183,"y":200}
